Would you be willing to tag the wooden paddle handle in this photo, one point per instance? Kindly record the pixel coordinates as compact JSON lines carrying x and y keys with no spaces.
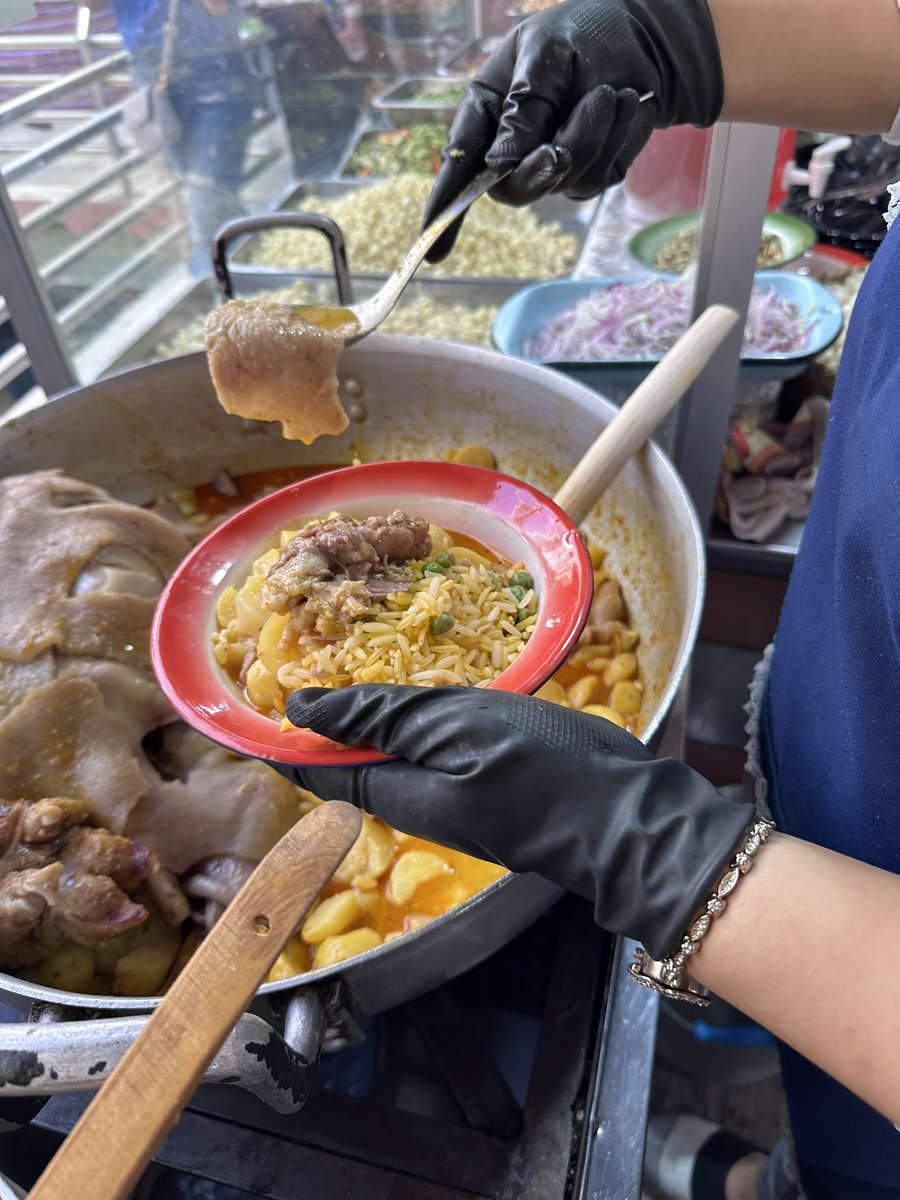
{"x":103,"y":1156}
{"x":643,"y":410}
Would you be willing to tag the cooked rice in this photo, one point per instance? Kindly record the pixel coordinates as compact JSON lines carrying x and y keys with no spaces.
{"x":396,"y":643}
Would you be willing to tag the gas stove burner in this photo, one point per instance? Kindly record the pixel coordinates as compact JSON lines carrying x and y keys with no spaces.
{"x":503,"y":1078}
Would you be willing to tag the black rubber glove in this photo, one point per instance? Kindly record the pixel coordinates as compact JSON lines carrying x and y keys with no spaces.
{"x":560,"y":97}
{"x":535,"y":787}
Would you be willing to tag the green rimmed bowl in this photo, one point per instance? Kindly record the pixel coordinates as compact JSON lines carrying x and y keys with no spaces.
{"x":794,"y":236}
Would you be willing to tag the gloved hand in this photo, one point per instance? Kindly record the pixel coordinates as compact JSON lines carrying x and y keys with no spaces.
{"x":535,"y":787}
{"x":560,"y":97}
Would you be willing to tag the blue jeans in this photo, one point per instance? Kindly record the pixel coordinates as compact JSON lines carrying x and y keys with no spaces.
{"x":213,"y":98}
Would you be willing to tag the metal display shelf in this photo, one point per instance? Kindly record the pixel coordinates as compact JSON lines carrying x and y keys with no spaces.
{"x":373,"y":123}
{"x":408,"y":100}
{"x":574,"y":218}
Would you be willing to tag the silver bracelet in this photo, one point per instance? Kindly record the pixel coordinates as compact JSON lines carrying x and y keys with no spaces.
{"x":669,"y":977}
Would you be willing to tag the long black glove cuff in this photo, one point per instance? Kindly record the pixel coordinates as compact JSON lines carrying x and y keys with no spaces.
{"x":535,"y":787}
{"x":663,"y":844}
{"x":681,"y":37}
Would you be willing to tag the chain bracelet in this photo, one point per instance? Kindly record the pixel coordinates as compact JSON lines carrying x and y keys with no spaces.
{"x":669,"y":977}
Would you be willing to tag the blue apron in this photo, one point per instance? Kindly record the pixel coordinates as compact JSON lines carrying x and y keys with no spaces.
{"x":830,"y":723}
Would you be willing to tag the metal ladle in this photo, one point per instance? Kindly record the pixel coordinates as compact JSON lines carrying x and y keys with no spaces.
{"x":356,"y":321}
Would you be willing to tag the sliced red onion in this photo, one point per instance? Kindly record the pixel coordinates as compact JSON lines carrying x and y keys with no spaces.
{"x":643,"y":319}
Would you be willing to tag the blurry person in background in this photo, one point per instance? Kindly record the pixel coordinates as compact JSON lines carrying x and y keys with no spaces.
{"x":209,"y":95}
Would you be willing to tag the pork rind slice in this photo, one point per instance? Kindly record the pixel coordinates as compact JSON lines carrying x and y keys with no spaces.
{"x":269,"y":364}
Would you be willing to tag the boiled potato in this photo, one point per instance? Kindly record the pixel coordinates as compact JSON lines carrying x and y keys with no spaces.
{"x":331,"y":916}
{"x":262,"y":686}
{"x":625,"y":697}
{"x":70,"y":970}
{"x":370,"y":854}
{"x":143,"y":970}
{"x":608,"y":714}
{"x":110,"y":952}
{"x":293,"y":960}
{"x":411,"y":870}
{"x":226,"y":606}
{"x":344,"y":945}
{"x":270,"y":640}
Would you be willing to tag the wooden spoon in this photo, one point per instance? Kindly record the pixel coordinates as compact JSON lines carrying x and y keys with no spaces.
{"x":643,"y":410}
{"x":103,"y":1156}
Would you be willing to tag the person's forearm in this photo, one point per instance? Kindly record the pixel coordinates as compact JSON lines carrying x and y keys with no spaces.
{"x":808,"y":947}
{"x":810,"y":64}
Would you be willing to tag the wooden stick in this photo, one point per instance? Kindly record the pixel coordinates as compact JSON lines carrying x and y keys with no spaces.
{"x":104,"y":1155}
{"x":643,"y":410}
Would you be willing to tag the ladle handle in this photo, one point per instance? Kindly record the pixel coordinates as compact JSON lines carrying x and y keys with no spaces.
{"x":643,"y":411}
{"x":103,"y":1156}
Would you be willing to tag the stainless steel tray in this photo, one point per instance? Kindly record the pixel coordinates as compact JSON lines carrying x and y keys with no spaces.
{"x":408,"y":100}
{"x":203,"y":297}
{"x":575,"y":217}
{"x":382,"y":122}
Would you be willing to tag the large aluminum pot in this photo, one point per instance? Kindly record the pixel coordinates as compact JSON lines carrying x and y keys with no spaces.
{"x":159,"y":426}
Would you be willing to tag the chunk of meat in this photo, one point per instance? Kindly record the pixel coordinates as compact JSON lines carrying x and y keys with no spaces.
{"x":608,"y":603}
{"x":300,"y":563}
{"x":331,"y":573}
{"x":48,"y":818}
{"x":342,"y":542}
{"x":168,"y":897}
{"x":24,"y":897}
{"x":99,"y":852}
{"x":225,"y":805}
{"x":398,"y":536}
{"x":87,"y":739}
{"x":607,"y":613}
{"x":65,"y":740}
{"x":89,"y":910}
{"x":269,"y":364}
{"x":52,"y":529}
{"x":331,"y":607}
{"x":61,"y":881}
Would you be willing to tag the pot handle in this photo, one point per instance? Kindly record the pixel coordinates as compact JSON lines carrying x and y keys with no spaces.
{"x":51,"y":1054}
{"x":232,"y":230}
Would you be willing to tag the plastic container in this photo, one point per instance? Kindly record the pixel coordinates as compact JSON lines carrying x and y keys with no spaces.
{"x":669,"y":175}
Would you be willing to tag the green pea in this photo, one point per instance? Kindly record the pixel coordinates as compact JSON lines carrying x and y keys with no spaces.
{"x":518,"y":592}
{"x":434,"y":568}
{"x":446,"y":559}
{"x":523,"y":614}
{"x":441,"y":624}
{"x":522,"y":578}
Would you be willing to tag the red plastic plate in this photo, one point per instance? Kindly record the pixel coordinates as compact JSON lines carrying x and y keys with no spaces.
{"x":505,"y":514}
